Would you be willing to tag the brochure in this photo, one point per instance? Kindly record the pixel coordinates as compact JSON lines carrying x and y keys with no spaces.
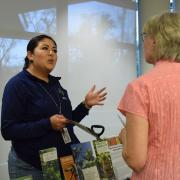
{"x":50,"y":164}
{"x":69,"y":167}
{"x":104,"y":160}
{"x":85,"y":161}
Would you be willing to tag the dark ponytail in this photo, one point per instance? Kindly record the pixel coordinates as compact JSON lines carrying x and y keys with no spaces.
{"x":26,"y":63}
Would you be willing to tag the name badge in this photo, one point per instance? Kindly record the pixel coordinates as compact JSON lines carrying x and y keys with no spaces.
{"x":66,"y":136}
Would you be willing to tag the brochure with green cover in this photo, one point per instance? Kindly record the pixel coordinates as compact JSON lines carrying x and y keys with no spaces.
{"x":50,"y":164}
{"x":104,"y":160}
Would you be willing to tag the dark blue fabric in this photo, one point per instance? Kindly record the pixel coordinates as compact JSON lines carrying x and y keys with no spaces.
{"x":26,"y":109}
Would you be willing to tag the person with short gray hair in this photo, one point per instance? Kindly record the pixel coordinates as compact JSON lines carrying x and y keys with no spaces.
{"x":151,"y":104}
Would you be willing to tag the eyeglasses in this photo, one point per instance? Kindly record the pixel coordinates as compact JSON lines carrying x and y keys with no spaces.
{"x":143,"y":35}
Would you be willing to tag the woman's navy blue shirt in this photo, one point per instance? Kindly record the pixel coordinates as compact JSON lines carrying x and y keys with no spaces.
{"x":27,"y":105}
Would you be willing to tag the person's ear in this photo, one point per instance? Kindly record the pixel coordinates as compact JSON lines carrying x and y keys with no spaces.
{"x":30,"y":56}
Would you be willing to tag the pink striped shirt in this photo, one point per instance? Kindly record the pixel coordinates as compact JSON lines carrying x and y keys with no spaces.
{"x":156,"y":97}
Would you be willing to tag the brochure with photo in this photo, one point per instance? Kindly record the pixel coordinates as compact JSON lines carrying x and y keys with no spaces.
{"x":104,"y":161}
{"x":121,"y":170}
{"x":85,"y":161}
{"x":69,"y":167}
{"x":50,"y":164}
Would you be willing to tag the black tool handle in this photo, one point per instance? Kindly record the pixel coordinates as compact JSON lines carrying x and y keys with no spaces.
{"x":93,"y":127}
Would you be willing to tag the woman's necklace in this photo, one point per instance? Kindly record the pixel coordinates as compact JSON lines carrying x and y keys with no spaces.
{"x":52,"y":99}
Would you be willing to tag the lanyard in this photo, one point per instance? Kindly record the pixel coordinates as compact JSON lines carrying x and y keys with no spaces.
{"x":65,"y":133}
{"x":52,"y":98}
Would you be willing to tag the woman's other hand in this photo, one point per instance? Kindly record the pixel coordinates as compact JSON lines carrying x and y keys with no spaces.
{"x":58,"y":122}
{"x":95,"y":97}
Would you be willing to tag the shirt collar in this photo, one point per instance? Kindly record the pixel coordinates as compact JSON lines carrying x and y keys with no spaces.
{"x":52,"y":79}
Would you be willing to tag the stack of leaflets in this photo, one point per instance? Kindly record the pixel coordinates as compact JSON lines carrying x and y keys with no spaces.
{"x":50,"y":164}
{"x":121,"y":170}
{"x":104,"y":160}
{"x":68,"y":167}
{"x":97,"y":160}
{"x":107,"y":158}
{"x":85,"y":161}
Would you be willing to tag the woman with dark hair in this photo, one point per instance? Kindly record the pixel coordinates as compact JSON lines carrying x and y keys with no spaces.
{"x":35,"y":109}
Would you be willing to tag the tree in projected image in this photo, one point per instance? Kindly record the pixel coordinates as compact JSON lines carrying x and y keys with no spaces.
{"x":12,"y":53}
{"x":43,"y":21}
{"x":6,"y":47}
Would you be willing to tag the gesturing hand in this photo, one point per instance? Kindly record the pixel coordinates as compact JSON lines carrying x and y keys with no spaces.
{"x":95,"y":97}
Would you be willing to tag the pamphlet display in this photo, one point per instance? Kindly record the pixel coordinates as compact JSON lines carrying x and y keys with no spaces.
{"x":96,"y":160}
